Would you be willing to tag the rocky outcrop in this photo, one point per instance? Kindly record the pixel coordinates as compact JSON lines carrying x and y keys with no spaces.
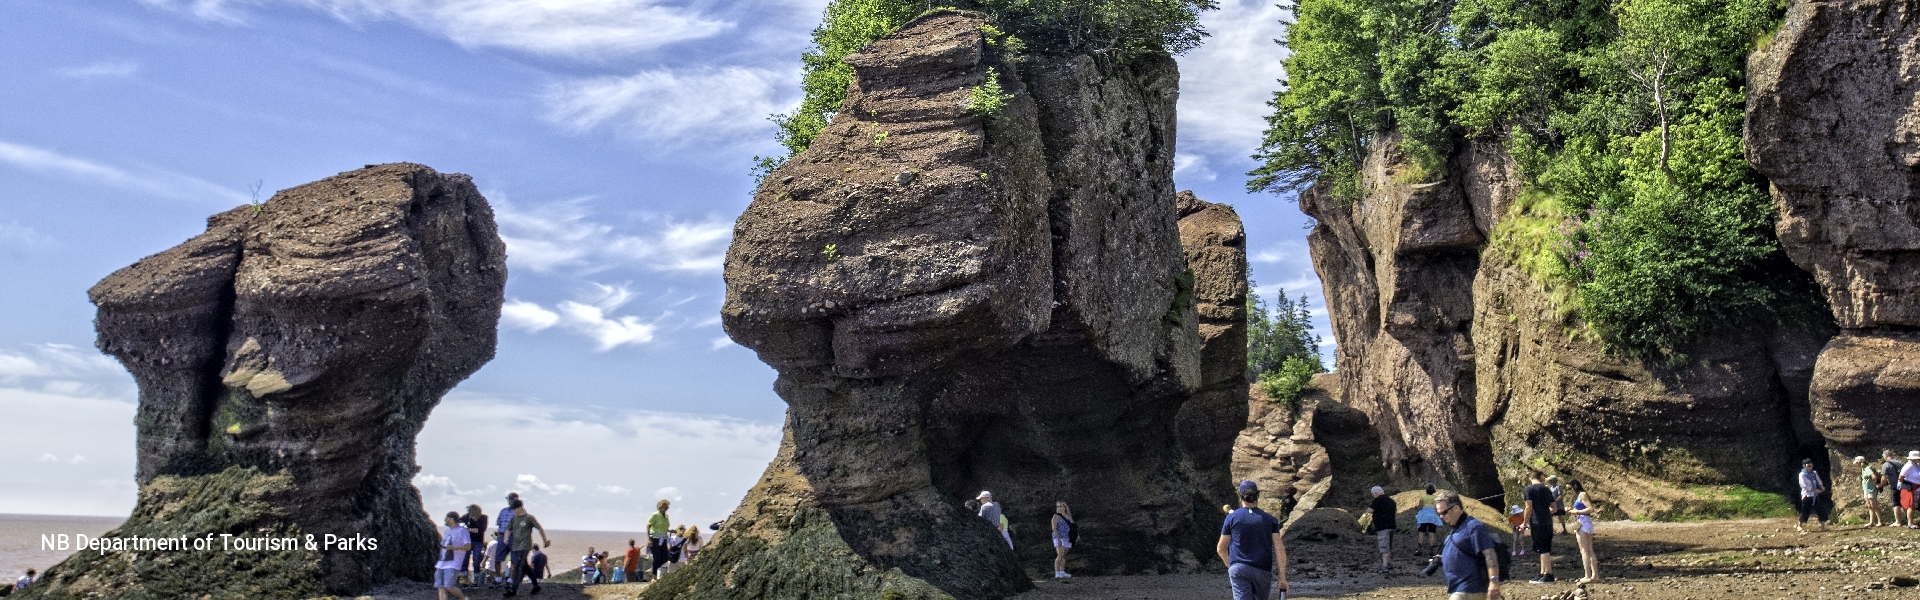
{"x":286,"y":359}
{"x":959,"y":302}
{"x":1474,"y":374}
{"x":1833,"y":121}
{"x":1215,"y":245}
{"x":1397,"y":268}
{"x":1326,"y":455}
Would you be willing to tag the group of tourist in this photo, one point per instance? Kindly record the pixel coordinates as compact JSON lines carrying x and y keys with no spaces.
{"x":1062,"y":529}
{"x":513,"y":557}
{"x":1891,"y":480}
{"x":18,"y":584}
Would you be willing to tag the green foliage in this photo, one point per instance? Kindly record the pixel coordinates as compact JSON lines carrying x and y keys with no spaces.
{"x":831,"y":251}
{"x":1283,"y":354}
{"x":986,"y":100}
{"x":1169,"y":26}
{"x":1731,"y":502}
{"x":1624,"y":116}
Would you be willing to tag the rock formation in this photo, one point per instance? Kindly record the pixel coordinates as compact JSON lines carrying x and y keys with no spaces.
{"x":1327,"y":455}
{"x":1473,"y":374}
{"x":1216,"y":251}
{"x":1833,"y":121}
{"x":286,"y":359}
{"x":958,"y":302}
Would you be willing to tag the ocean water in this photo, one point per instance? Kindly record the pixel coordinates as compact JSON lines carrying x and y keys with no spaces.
{"x":20,"y":539}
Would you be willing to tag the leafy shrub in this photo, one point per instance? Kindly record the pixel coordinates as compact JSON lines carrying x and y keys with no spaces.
{"x":986,"y":100}
{"x":1287,"y":384}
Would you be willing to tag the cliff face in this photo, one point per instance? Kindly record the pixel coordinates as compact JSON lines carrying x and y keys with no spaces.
{"x":1397,"y":268}
{"x":286,"y":359}
{"x":1833,"y":121}
{"x":1473,"y":376}
{"x":957,"y":303}
{"x":1215,"y":245}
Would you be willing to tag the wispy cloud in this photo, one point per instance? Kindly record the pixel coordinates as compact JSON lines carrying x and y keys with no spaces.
{"x":66,"y":370}
{"x":590,"y":29}
{"x":564,"y":236}
{"x":1192,"y":167}
{"x":591,"y":316}
{"x":1225,"y":84}
{"x":712,"y":462}
{"x":16,"y":237}
{"x":724,"y":106}
{"x":66,"y":454}
{"x":150,"y":181}
{"x":101,"y":70}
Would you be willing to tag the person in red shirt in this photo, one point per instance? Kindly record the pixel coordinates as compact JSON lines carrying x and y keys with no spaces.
{"x":633,"y":561}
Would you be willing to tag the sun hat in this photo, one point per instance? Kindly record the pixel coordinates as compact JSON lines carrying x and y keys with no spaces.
{"x":1913,"y":455}
{"x":1859,"y":460}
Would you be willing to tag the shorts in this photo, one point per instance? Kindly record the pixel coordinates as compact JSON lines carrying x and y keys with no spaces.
{"x":1060,"y":542}
{"x":1384,"y":539}
{"x":1871,"y":495}
{"x":446,"y":578}
{"x":1542,"y":538}
{"x":1906,"y":498}
{"x":1466,"y":596}
{"x":1429,"y":528}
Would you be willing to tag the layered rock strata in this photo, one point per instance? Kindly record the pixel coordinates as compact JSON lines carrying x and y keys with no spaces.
{"x":1833,"y":121}
{"x":1474,"y":375}
{"x":958,"y":302}
{"x":1215,"y":245}
{"x":286,"y":359}
{"x":1324,"y":455}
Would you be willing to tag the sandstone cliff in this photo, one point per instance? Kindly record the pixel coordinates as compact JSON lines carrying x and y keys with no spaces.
{"x":1833,"y":122}
{"x":1474,"y":375}
{"x":1215,"y":245}
{"x":286,"y":359}
{"x":958,"y":302}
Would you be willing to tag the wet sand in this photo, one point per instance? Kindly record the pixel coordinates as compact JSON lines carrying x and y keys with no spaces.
{"x":20,"y":539}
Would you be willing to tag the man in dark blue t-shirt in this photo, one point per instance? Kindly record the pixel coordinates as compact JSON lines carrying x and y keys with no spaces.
{"x":1539,"y":513}
{"x":1250,"y":545}
{"x":1468,"y":557}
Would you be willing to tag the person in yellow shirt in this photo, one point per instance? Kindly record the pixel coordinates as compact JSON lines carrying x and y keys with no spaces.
{"x":658,"y":528}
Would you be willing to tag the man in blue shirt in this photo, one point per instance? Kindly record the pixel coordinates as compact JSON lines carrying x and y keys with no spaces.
{"x":1471,"y":563}
{"x":1250,"y":545}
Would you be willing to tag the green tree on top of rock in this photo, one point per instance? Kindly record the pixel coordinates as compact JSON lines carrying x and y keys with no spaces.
{"x":1099,"y":26}
{"x":1283,"y":354}
{"x":1624,"y":116}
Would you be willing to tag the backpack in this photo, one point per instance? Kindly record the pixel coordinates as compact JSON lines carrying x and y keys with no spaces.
{"x":1073,"y":529}
{"x":673,"y":550}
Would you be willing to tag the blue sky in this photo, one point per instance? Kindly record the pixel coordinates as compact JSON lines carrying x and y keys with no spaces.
{"x":614,"y":139}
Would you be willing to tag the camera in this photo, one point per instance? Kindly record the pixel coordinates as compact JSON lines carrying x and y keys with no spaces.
{"x":1433,"y":564}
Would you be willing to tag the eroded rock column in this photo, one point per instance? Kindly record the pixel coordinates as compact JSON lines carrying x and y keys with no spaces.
{"x":286,"y":360}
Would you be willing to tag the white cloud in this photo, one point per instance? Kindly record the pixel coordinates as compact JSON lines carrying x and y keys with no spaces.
{"x":708,"y":461}
{"x":526,"y":484}
{"x":520,"y":314}
{"x":722,"y":342}
{"x":724,"y":106}
{"x":77,"y":459}
{"x":591,"y":316}
{"x":590,"y":29}
{"x":670,"y":494}
{"x":1225,"y":84}
{"x":150,"y":181}
{"x":564,"y":236}
{"x":49,"y":458}
{"x":65,"y":370}
{"x":101,"y":70}
{"x":1192,"y":167}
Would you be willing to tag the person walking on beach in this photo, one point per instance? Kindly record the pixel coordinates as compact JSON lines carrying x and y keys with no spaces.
{"x":1468,"y":556}
{"x":537,"y":567}
{"x":1910,"y":481}
{"x":501,"y":521}
{"x":658,"y":528}
{"x":1890,"y":483}
{"x":990,"y":511}
{"x":1251,"y":547}
{"x":1811,"y":487}
{"x":693,"y":545}
{"x":520,"y":530}
{"x":632,"y":566}
{"x":1062,"y":528}
{"x":1427,"y":522}
{"x":1539,"y":523}
{"x":1384,"y":521}
{"x":454,"y":544}
{"x":1583,"y":510}
{"x":1870,"y":486}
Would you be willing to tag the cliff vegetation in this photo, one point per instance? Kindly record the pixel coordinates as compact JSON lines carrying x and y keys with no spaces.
{"x":1641,"y":213}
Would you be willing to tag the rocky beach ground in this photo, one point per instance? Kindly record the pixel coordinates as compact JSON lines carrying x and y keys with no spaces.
{"x":1751,"y":559}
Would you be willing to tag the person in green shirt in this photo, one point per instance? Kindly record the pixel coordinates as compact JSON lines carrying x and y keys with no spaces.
{"x":522,"y":527}
{"x":658,"y":528}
